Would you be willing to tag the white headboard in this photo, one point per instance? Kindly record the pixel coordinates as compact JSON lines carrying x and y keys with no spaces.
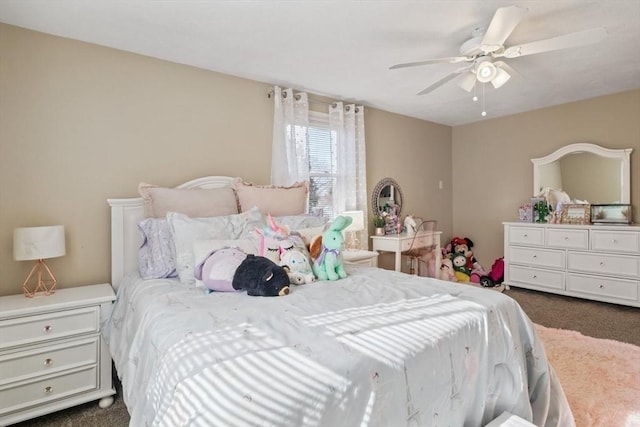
{"x":125,"y":235}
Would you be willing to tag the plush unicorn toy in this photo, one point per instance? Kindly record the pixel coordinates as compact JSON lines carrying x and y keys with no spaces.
{"x":329,"y":264}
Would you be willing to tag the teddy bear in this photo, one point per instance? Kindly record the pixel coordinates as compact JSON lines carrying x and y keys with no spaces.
{"x":298,"y":267}
{"x":231,"y":269}
{"x":446,"y":271}
{"x":328,"y":265}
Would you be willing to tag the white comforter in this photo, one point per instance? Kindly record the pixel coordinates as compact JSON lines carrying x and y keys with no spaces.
{"x":379,"y":348}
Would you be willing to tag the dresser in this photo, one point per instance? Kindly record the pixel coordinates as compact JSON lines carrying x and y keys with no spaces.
{"x":399,"y":243}
{"x":52,"y":355}
{"x":595,"y":262}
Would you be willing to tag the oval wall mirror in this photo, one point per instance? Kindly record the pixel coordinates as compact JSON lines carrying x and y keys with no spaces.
{"x":387,"y":197}
{"x":586,"y":172}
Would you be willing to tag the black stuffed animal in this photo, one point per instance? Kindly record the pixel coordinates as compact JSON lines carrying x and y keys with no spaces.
{"x":260,"y":276}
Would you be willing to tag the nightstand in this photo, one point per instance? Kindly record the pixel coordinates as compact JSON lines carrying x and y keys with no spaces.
{"x":52,"y":355}
{"x":360,"y":257}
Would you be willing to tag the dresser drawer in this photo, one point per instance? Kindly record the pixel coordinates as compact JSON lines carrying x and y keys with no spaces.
{"x":38,"y":328}
{"x":617,"y":241}
{"x":569,"y":239}
{"x":536,"y":257}
{"x":616,"y":265}
{"x":603,"y":287}
{"x":42,"y":360}
{"x":526,"y":236}
{"x":38,"y":392}
{"x":536,"y":278}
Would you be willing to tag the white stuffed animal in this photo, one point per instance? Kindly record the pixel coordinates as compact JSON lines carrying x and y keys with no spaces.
{"x":555,"y":198}
{"x":298,"y":267}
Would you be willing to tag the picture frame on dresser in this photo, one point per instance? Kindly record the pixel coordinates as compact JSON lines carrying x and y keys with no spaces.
{"x":573,"y":213}
{"x":618,"y":213}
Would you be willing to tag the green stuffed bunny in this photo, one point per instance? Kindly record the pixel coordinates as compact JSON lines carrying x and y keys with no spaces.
{"x":329,"y":264}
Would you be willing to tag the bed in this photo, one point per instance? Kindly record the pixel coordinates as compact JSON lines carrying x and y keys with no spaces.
{"x":379,"y":348}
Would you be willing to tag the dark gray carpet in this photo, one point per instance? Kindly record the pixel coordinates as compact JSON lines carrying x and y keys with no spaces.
{"x":591,"y":318}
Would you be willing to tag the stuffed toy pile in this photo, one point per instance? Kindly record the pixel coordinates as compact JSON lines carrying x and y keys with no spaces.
{"x":459,"y":265}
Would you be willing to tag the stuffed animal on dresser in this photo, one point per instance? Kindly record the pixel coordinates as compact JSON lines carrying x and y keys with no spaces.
{"x":328,"y":265}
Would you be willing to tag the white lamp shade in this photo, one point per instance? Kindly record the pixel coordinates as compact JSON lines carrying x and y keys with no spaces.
{"x":38,"y":242}
{"x":501,"y":78}
{"x":358,"y":220}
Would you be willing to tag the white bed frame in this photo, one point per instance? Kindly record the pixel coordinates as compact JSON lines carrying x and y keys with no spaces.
{"x":125,"y":235}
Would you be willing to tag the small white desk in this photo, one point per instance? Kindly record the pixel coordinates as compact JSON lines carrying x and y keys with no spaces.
{"x":399,"y":243}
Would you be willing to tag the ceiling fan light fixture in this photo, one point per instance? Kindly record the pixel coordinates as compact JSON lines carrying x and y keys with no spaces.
{"x":501,"y":78}
{"x":468,"y":82}
{"x":486,"y":72}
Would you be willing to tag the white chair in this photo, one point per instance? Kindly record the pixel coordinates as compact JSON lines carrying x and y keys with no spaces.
{"x":420,"y":257}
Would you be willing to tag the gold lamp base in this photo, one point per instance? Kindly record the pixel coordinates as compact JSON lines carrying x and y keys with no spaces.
{"x":46,"y":281}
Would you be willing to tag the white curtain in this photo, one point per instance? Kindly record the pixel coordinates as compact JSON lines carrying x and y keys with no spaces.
{"x":289,"y":157}
{"x":350,"y":191}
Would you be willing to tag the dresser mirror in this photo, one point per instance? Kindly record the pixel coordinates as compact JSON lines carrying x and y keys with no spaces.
{"x":586,"y":172}
{"x":387,"y":197}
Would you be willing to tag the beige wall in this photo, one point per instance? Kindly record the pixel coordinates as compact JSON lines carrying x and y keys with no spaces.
{"x":492,"y":168}
{"x":81,"y":123}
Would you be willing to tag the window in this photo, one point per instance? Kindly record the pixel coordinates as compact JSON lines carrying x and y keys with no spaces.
{"x":321,"y":146}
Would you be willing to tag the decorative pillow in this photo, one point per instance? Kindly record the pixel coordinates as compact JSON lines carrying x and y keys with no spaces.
{"x":156,"y":257}
{"x":194,"y":202}
{"x":203,"y":248}
{"x":298,"y":222}
{"x":277,"y":201}
{"x":185,"y":230}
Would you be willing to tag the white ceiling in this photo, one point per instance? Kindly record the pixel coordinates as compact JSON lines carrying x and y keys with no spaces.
{"x":343,"y":48}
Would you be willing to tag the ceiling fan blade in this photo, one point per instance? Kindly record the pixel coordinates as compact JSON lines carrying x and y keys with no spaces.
{"x":580,"y":38}
{"x":444,"y":80}
{"x":450,"y":60}
{"x":503,"y":23}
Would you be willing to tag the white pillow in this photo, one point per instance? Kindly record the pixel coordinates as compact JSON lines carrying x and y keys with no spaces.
{"x":203,"y":248}
{"x":186,"y":230}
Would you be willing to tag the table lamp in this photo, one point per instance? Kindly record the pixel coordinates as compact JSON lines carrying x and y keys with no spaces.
{"x":39,"y":243}
{"x":351,"y":232}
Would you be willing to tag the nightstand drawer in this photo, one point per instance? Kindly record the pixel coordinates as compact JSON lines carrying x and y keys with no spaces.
{"x":48,"y":360}
{"x":39,"y":392}
{"x":34,"y":329}
{"x":420,"y":241}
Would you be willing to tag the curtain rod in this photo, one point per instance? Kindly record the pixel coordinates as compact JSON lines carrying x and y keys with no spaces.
{"x":311,"y":101}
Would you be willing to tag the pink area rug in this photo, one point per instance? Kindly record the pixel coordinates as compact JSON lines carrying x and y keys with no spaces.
{"x":601,"y":378}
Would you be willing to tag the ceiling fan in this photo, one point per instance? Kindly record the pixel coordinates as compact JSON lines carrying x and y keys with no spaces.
{"x":483,"y":52}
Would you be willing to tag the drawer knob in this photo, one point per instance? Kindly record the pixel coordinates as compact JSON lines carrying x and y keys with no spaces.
{"x":601,"y":262}
{"x":526,"y":235}
{"x":601,"y":286}
{"x":535,"y":256}
{"x":566,"y":238}
{"x":535,"y":277}
{"x":48,"y":328}
{"x":48,"y":389}
{"x":48,"y":362}
{"x":614,"y":241}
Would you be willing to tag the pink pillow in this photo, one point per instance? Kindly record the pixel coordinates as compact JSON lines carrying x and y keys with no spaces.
{"x":277,"y":201}
{"x":193,"y":202}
